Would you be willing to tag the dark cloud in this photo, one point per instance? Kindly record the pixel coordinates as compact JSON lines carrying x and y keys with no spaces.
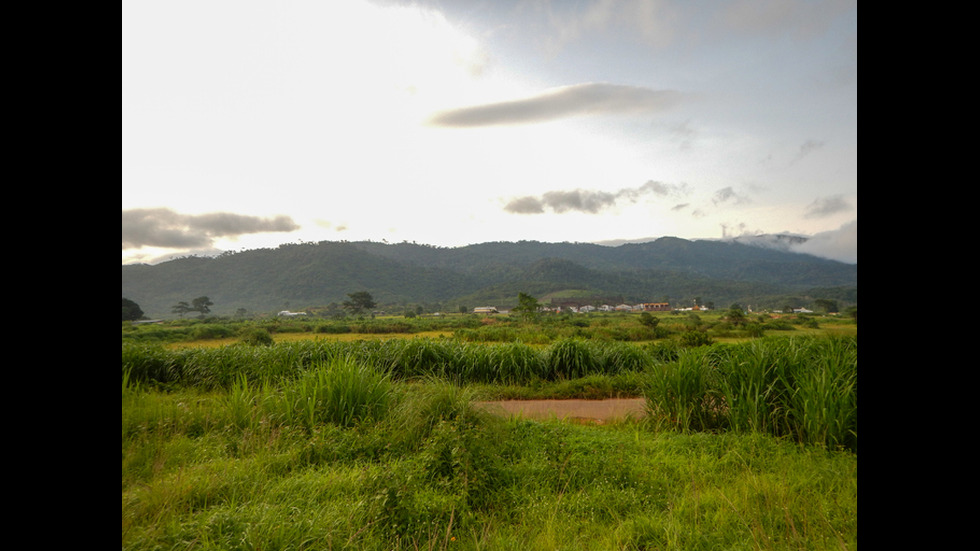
{"x":162,"y":227}
{"x":826,"y":206}
{"x":591,"y":202}
{"x":567,"y":101}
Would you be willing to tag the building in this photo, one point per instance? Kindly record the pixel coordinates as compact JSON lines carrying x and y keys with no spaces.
{"x":656,"y":306}
{"x":485,"y":310}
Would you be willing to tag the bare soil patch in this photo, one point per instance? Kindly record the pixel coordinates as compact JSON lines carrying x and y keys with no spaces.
{"x":589,"y":412}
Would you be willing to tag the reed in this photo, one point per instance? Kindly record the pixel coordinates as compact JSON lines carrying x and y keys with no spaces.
{"x":572,"y":358}
{"x":823,"y":402}
{"x":684,"y":395}
{"x":804,"y":388}
{"x":339,"y":391}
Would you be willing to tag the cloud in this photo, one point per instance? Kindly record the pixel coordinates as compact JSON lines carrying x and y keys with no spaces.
{"x":162,"y":227}
{"x":726,"y":195}
{"x":557,"y":103}
{"x":525,"y":205}
{"x":839,"y":244}
{"x":808,"y":147}
{"x":587,"y":201}
{"x":826,"y":206}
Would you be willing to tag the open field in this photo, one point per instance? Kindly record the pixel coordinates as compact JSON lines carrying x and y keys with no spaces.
{"x":380,"y":440}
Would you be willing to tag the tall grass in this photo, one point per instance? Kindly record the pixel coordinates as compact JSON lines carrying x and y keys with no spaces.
{"x":684,"y":395}
{"x":339,"y":391}
{"x":435,"y":474}
{"x":804,"y":388}
{"x":572,"y":358}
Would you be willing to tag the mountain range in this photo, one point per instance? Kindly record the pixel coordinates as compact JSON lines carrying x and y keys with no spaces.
{"x":759,"y":273}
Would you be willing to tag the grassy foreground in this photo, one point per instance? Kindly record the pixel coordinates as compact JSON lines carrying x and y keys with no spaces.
{"x":344,"y":456}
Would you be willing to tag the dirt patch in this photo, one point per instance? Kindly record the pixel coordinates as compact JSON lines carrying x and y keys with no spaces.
{"x":590,"y":412}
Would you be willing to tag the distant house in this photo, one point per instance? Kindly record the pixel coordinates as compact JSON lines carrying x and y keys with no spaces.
{"x":288,"y":314}
{"x":656,"y":306}
{"x":485,"y":310}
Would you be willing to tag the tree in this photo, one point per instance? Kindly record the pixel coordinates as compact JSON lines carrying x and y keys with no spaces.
{"x":359,"y":301}
{"x":181,"y":308}
{"x":130,"y":310}
{"x":527,"y":306}
{"x":826,"y":305}
{"x":202,"y":305}
{"x":648,"y":320}
{"x":736,"y":315}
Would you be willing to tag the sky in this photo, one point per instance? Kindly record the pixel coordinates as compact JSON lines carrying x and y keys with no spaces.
{"x":253,"y":123}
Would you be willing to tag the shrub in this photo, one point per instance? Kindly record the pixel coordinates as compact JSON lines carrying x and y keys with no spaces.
{"x":333,"y":328}
{"x":211,"y":331}
{"x":779,"y":325}
{"x":257,"y":336}
{"x":695,"y":338}
{"x":754,"y":329}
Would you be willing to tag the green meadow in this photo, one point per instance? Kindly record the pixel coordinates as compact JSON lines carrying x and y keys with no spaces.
{"x":365,"y":434}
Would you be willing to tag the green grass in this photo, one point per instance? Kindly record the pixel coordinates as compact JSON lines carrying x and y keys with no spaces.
{"x":432,"y":473}
{"x":376,"y":444}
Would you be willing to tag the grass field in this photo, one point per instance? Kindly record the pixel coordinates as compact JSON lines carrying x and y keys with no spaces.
{"x":353,"y":440}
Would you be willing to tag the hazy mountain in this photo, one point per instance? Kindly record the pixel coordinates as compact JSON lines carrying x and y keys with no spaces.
{"x":301,"y":276}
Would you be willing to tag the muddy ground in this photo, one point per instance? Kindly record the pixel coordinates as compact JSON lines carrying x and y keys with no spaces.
{"x":595,"y":412}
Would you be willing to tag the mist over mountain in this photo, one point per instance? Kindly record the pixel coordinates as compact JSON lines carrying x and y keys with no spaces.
{"x":760,"y":272}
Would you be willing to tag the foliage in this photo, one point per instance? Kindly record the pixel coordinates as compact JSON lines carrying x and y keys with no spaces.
{"x":130,"y":310}
{"x":802,"y":388}
{"x":696,"y":337}
{"x":340,"y":391}
{"x":200,"y":304}
{"x":359,"y":302}
{"x":649,"y":320}
{"x":257,"y":336}
{"x":527,"y":306}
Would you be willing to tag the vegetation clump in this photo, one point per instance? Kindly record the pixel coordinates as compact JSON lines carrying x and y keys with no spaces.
{"x":257,"y":336}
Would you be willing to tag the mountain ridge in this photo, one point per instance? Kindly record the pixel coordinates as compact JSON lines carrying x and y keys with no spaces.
{"x":308,"y":275}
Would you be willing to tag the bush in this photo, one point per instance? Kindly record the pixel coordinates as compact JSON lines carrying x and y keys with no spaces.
{"x":695,"y":338}
{"x":333,"y":328}
{"x":257,"y":336}
{"x":779,"y":325}
{"x":211,"y":331}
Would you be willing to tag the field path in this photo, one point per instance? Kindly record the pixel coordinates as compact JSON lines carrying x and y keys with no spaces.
{"x":596,"y":412}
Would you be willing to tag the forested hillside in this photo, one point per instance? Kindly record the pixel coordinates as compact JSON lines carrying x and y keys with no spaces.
{"x":302,"y":276}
